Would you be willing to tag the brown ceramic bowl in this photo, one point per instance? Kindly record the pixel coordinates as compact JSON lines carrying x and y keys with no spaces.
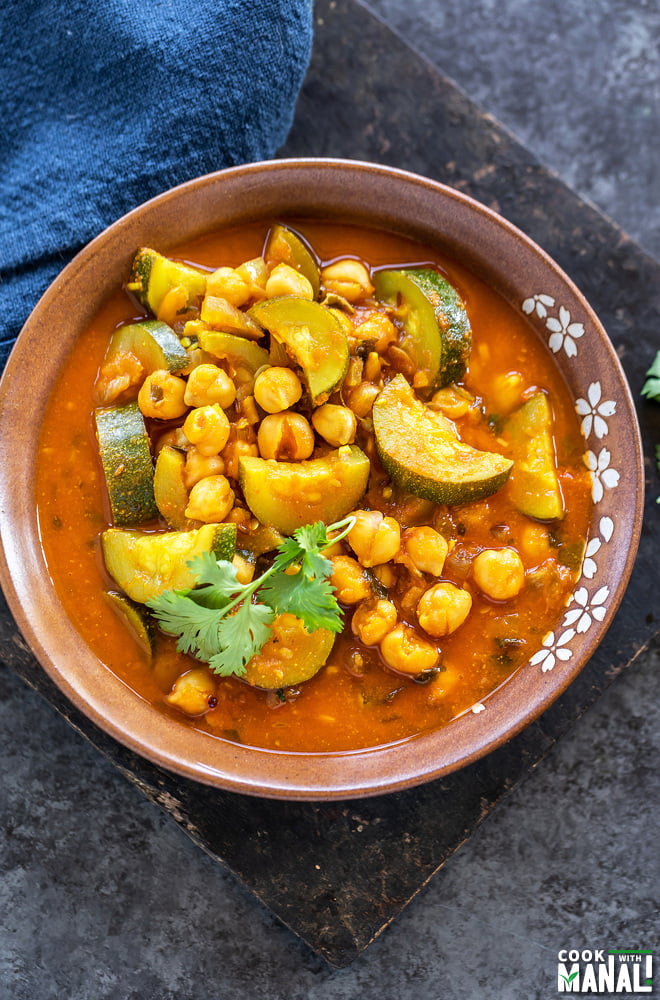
{"x":438,"y":217}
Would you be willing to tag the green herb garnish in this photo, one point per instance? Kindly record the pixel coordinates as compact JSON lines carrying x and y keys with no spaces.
{"x":218,"y":622}
{"x":651,"y":387}
{"x":651,"y":390}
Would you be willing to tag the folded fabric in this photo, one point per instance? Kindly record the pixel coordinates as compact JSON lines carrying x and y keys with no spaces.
{"x":106,"y":103}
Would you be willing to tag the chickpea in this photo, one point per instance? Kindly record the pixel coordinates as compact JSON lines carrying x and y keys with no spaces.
{"x":200,"y":466}
{"x":210,"y":500}
{"x":506,"y":392}
{"x":336,"y":424}
{"x":361,"y":399}
{"x":499,"y":573}
{"x":374,"y":539}
{"x":286,"y":437}
{"x":277,"y":389}
{"x":193,"y":692}
{"x":348,"y":278}
{"x":534,"y":542}
{"x":443,"y":608}
{"x":207,"y":427}
{"x":208,"y":384}
{"x":453,"y":401}
{"x":378,"y":328}
{"x":348,"y":579}
{"x":285,"y":280}
{"x":426,"y":548}
{"x":244,"y":569}
{"x":162,"y":396}
{"x":405,"y":651}
{"x":373,"y":620}
{"x":226,"y":283}
{"x":255,"y":273}
{"x":233,"y":451}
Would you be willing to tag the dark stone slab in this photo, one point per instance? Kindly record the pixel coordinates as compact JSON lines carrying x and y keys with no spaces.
{"x":338,"y":873}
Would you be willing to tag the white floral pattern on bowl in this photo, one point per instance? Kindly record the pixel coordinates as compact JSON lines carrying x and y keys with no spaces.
{"x":596,"y":410}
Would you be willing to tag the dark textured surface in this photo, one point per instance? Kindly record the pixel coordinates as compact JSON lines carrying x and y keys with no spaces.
{"x":102,"y":896}
{"x":578,"y":83}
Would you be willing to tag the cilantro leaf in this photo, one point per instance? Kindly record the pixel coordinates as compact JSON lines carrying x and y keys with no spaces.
{"x":651,"y":387}
{"x":315,"y":604}
{"x":217,"y":580}
{"x":240,"y":636}
{"x":217,"y":621}
{"x":196,"y":626}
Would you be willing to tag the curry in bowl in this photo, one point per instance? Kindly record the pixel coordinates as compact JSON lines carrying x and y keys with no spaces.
{"x":311,"y":487}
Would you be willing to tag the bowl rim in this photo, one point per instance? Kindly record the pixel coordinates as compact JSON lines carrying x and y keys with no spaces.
{"x":247,"y":770}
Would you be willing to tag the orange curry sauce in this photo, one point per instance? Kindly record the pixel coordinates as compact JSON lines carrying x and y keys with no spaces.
{"x":354,"y":701}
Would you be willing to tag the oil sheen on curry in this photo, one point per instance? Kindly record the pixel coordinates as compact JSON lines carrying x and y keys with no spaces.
{"x":311,"y":487}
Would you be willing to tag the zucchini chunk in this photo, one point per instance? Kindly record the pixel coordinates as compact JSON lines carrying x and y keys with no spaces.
{"x":144,"y":565}
{"x":283,"y":246}
{"x":152,"y":344}
{"x":287,"y":495}
{"x":423,"y":454}
{"x":291,"y":655}
{"x":437,"y":331}
{"x":258,"y":540}
{"x":220,"y":314}
{"x":139,"y":621}
{"x":239,"y":352}
{"x":534,"y":488}
{"x":153,"y":276}
{"x":127,"y":464}
{"x":170,"y":491}
{"x":312,"y":337}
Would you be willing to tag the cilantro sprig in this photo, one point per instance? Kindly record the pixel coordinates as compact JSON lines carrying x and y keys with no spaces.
{"x":225,"y":622}
{"x":651,"y":388}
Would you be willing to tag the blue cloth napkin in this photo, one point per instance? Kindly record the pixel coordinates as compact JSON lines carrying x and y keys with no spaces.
{"x":106,"y":103}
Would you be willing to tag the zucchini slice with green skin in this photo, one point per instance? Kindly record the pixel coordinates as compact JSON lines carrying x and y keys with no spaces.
{"x":239,"y":352}
{"x":155,"y":346}
{"x":291,"y":656}
{"x":287,"y":495}
{"x":169,"y":488}
{"x":244,"y":356}
{"x":154,"y":275}
{"x":136,"y":618}
{"x":284,"y":246}
{"x":534,"y":487}
{"x":437,"y":331}
{"x":259,"y":540}
{"x":220,"y":314}
{"x":144,"y":564}
{"x":127,"y":464}
{"x":423,"y":454}
{"x":313,"y":338}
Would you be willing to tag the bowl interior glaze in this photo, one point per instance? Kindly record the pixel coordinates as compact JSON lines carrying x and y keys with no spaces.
{"x":365,"y":194}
